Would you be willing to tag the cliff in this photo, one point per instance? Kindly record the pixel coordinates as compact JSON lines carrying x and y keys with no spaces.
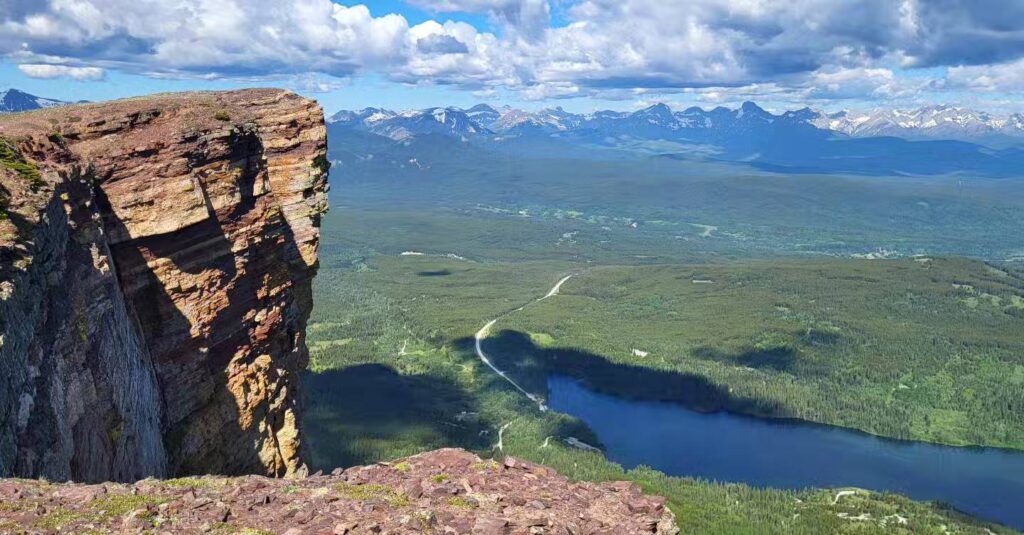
{"x":446,"y":491}
{"x":156,"y":260}
{"x":156,"y":257}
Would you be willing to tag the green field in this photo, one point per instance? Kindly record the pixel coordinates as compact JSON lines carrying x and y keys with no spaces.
{"x":847,"y":301}
{"x":926,"y":349}
{"x":601,"y":194}
{"x":908,"y":348}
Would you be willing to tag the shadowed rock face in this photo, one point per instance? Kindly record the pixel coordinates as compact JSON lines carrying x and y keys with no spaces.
{"x":156,"y":256}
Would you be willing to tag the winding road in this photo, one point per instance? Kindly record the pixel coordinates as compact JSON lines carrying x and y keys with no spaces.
{"x":484,"y":331}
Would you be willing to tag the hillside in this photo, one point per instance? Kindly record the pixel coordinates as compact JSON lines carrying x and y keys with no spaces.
{"x":836,"y":299}
{"x":396,"y":332}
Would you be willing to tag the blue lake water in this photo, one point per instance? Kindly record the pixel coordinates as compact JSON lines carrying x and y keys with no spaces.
{"x":988,"y":483}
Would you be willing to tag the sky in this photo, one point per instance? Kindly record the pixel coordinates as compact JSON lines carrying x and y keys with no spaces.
{"x":581,"y":55}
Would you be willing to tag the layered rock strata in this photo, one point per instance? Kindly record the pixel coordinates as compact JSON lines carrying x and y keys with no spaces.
{"x":156,"y":257}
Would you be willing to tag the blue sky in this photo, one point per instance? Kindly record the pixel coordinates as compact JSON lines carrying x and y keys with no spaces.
{"x":578,"y":54}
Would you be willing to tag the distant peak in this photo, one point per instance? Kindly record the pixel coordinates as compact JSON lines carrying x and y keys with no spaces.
{"x":12,"y":94}
{"x":803,"y":114}
{"x":14,"y":100}
{"x":482,"y":107}
{"x":657,"y":109}
{"x":750,"y":107}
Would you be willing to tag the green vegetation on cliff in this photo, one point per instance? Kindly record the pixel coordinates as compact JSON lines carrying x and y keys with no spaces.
{"x":11,"y":158}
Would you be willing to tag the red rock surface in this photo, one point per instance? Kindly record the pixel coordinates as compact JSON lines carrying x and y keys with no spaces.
{"x":445,"y":491}
{"x":156,"y":284}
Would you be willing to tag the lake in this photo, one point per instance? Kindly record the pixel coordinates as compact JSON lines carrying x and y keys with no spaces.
{"x":985,"y":482}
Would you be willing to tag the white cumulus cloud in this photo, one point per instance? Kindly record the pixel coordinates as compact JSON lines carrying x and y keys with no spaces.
{"x":1002,"y":77}
{"x":528,"y":17}
{"x":61,"y":71}
{"x":826,"y":49}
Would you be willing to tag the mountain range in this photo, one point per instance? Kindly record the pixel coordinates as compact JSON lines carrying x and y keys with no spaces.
{"x":935,"y":122}
{"x":929,"y":122}
{"x":928,"y":141}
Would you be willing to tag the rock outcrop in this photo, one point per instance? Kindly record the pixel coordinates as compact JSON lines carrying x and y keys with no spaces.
{"x":446,"y":491}
{"x":156,"y":257}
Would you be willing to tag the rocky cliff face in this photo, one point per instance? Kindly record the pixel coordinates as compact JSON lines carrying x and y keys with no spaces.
{"x":156,"y":256}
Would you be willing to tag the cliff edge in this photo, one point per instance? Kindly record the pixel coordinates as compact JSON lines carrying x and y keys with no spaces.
{"x":156,"y":257}
{"x":445,"y":491}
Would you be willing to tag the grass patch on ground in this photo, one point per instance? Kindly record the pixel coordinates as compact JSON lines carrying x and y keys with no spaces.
{"x":115,"y":506}
{"x":186,"y":482}
{"x":11,"y":158}
{"x":368,"y":492}
{"x":57,"y":518}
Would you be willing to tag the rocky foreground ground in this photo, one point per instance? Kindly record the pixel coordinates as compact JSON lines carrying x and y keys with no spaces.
{"x":445,"y":491}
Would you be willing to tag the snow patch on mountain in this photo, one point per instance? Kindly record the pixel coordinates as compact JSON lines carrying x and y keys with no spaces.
{"x":13,"y":100}
{"x":938,"y":122}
